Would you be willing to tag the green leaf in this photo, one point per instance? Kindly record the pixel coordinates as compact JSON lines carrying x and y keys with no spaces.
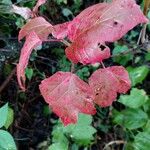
{"x":60,"y":142}
{"x":29,"y":73}
{"x":130,"y":118}
{"x":147,"y":127}
{"x":58,"y":146}
{"x":138,"y":74}
{"x":3,"y":114}
{"x":136,"y":98}
{"x":6,"y":141}
{"x":10,"y":118}
{"x":82,"y":132}
{"x":121,"y":59}
{"x":6,"y":2}
{"x":142,"y":141}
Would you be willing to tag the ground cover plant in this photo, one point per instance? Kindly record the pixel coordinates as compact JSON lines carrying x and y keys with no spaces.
{"x":82,"y":82}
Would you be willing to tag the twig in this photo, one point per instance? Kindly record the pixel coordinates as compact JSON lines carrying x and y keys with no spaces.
{"x":114,"y":142}
{"x":2,"y":87}
{"x":131,"y":50}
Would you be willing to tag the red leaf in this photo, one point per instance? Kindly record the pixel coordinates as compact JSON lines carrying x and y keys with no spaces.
{"x":32,"y":41}
{"x":61,"y":30}
{"x":38,"y":4}
{"x":99,"y":24}
{"x":25,"y":12}
{"x":39,"y":25}
{"x":106,"y":83}
{"x":68,"y":95}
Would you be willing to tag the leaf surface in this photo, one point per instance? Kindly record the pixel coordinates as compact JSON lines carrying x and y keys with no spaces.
{"x":107,"y":82}
{"x":39,"y":25}
{"x":38,"y":4}
{"x":99,"y":24}
{"x":25,"y":12}
{"x":32,"y":41}
{"x":68,"y":95}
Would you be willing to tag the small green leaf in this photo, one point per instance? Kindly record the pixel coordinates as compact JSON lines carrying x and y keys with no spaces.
{"x":121,"y":59}
{"x":82,"y":132}
{"x":58,"y":146}
{"x":10,"y":118}
{"x":6,"y":141}
{"x":130,"y":118}
{"x":142,"y":141}
{"x":29,"y":73}
{"x":3,"y":114}
{"x":138,"y":74}
{"x":136,"y":98}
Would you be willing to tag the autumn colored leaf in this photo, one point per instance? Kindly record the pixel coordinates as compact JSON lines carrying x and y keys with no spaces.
{"x":32,"y":41}
{"x":67,"y":95}
{"x":107,"y":82}
{"x":96,"y":25}
{"x":39,"y":25}
{"x":25,"y":12}
{"x":38,"y":4}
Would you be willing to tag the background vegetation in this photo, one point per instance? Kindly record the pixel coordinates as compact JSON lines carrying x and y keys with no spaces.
{"x":27,"y":123}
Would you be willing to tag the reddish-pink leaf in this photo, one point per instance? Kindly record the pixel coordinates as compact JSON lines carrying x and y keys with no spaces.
{"x":61,"y":30}
{"x":99,"y":24}
{"x":32,"y":41}
{"x":38,"y":4}
{"x":67,"y":95}
{"x":39,"y":25}
{"x":107,"y":82}
{"x":25,"y":12}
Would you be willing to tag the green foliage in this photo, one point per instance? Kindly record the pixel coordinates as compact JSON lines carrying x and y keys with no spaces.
{"x":130,"y":118}
{"x":29,"y":73}
{"x":138,"y":74}
{"x":10,"y":118}
{"x":141,"y":141}
{"x":6,"y":141}
{"x":6,"y":118}
{"x":122,"y":59}
{"x":3,"y":115}
{"x":81,"y":133}
{"x":136,"y":98}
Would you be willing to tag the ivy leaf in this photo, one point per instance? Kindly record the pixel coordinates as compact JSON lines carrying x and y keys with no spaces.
{"x":100,"y":23}
{"x":32,"y":41}
{"x":39,"y":25}
{"x":82,"y":132}
{"x":121,"y":59}
{"x":3,"y":114}
{"x":107,"y":82}
{"x":138,"y":74}
{"x":136,"y":98}
{"x":68,"y":95}
{"x":10,"y":118}
{"x":130,"y":118}
{"x":141,"y":141}
{"x":6,"y":141}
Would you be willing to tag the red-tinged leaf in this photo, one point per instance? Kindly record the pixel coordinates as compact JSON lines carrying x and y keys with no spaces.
{"x":25,"y":12}
{"x":61,"y":30}
{"x":99,"y":24}
{"x":39,"y":25}
{"x":107,"y":82}
{"x":38,"y":4}
{"x":67,"y":95}
{"x":32,"y":41}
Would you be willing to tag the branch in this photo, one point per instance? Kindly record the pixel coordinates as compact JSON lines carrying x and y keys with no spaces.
{"x":2,"y":87}
{"x":114,"y":142}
